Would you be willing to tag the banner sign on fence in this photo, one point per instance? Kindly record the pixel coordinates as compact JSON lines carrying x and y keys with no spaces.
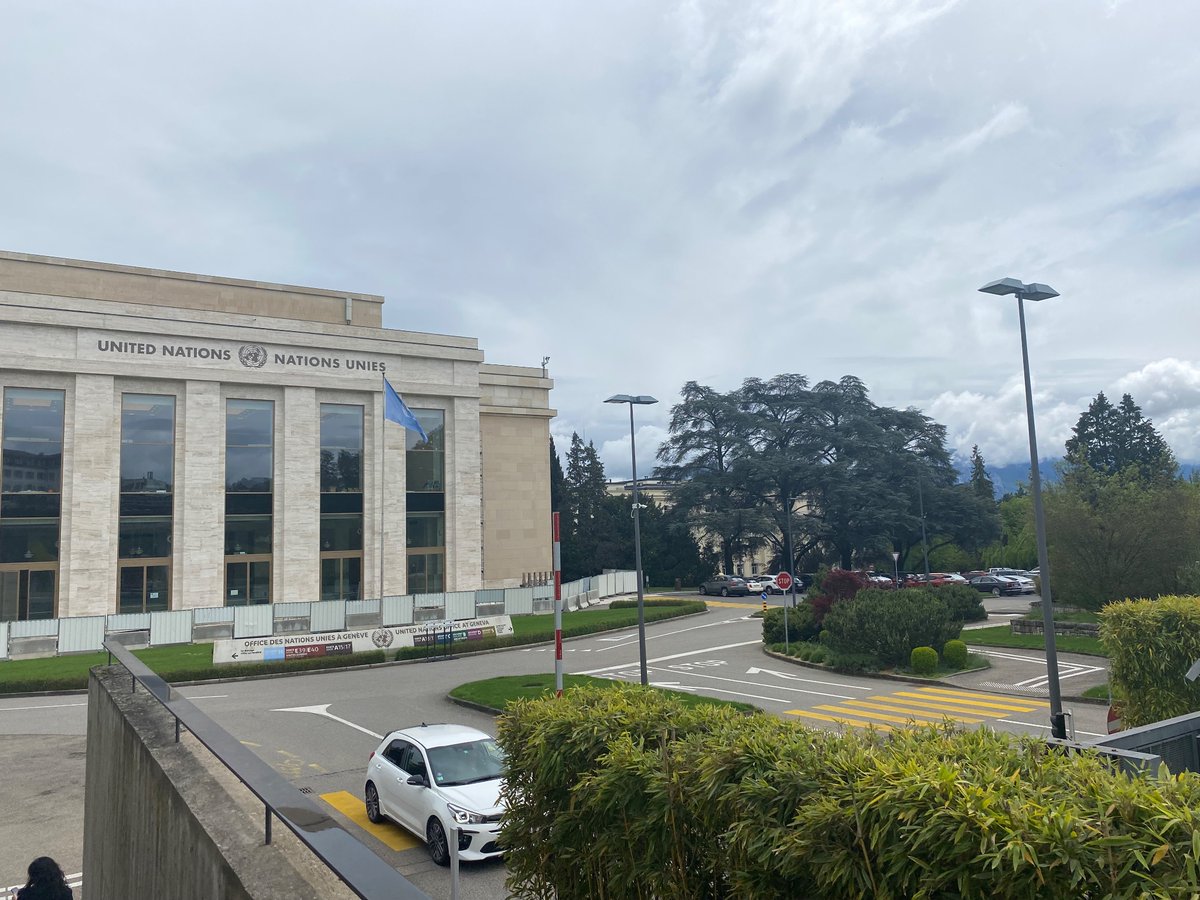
{"x":336,"y":643}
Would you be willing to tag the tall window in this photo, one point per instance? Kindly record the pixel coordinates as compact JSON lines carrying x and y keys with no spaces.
{"x":341,"y":467}
{"x":425,"y":467}
{"x":30,"y":502}
{"x":147,"y":503}
{"x":249,"y":480}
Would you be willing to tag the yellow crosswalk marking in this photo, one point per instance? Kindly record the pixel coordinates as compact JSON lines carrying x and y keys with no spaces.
{"x":901,"y":706}
{"x":946,"y":692}
{"x":841,"y":720}
{"x":935,"y":704}
{"x":979,"y":705}
{"x":900,"y":720}
{"x":353,"y":809}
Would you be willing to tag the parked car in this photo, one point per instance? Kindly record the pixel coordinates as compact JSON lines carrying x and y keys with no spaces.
{"x":996,"y":585}
{"x":767,"y":583}
{"x":754,"y":585}
{"x":431,"y":778}
{"x":725,"y":585}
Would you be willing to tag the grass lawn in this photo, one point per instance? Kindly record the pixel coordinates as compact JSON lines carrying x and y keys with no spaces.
{"x":1099,"y":692}
{"x":1002,"y":636}
{"x":495,"y":693}
{"x":193,"y":662}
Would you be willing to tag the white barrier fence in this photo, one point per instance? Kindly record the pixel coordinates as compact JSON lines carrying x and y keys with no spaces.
{"x":83,"y":634}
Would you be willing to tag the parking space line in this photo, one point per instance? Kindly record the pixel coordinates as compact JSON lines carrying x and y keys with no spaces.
{"x":388,"y":833}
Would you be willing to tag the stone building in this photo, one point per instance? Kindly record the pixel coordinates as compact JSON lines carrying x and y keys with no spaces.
{"x":174,"y":441}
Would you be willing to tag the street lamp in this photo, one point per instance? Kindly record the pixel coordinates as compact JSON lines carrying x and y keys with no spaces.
{"x":1023,"y":292}
{"x":639,"y":400}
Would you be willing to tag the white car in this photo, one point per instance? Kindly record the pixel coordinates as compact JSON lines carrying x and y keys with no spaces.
{"x":432,"y":778}
{"x":754,"y":585}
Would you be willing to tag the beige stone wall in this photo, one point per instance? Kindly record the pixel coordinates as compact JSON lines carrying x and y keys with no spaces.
{"x":129,"y":284}
{"x":296,"y":560}
{"x":516,"y":498}
{"x":198,"y":570}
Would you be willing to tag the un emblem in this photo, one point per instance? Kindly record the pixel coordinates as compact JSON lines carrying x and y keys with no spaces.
{"x":252,"y":356}
{"x":381,"y":638}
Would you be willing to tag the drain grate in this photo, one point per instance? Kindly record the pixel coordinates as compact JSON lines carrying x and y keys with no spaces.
{"x":306,"y":790}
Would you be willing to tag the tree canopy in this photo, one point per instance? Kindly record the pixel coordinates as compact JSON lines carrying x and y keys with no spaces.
{"x":1112,"y":439}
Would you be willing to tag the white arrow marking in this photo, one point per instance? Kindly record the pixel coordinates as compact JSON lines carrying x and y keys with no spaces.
{"x":846,"y":687}
{"x":323,"y":710}
{"x":632,"y":639}
{"x":757,"y":641}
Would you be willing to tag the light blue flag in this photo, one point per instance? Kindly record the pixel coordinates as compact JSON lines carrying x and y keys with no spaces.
{"x":395,"y":410}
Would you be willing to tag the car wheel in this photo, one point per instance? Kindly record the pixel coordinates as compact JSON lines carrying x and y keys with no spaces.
{"x":703,"y":590}
{"x":374,"y":813}
{"x":724,"y":592}
{"x":996,"y":592}
{"x":435,"y":839}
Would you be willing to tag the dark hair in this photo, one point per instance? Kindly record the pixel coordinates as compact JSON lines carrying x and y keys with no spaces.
{"x":45,"y":871}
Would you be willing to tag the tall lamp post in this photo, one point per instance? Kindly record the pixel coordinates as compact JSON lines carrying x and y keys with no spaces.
{"x":639,"y":400}
{"x":1023,"y":292}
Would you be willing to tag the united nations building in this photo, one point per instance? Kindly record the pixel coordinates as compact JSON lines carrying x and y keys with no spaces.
{"x":173,"y":441}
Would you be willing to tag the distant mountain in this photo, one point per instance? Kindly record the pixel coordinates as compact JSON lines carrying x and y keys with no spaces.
{"x":1007,"y":478}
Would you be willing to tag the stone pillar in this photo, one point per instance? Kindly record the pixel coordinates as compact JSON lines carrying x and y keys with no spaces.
{"x":91,"y":485}
{"x":198,"y":576}
{"x":296,"y":557}
{"x":464,"y":537}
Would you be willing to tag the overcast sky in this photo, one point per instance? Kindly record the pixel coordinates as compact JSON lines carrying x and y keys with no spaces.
{"x":655,"y":192}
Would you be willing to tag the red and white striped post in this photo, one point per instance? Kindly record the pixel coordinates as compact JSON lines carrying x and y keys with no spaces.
{"x":558,"y":668}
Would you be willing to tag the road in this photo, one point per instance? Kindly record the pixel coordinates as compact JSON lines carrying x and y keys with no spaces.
{"x":318,"y":729}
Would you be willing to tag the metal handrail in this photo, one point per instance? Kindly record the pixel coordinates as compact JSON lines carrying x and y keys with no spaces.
{"x":357,"y":866}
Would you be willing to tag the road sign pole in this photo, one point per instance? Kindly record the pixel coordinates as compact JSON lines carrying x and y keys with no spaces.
{"x":785,"y":581}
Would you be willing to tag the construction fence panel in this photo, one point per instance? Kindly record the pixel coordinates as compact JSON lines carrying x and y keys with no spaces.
{"x":253,"y":621}
{"x":291,"y":610}
{"x":361,"y":607}
{"x":429,"y":601}
{"x":128,"y":622}
{"x":210,"y":615}
{"x":80,"y":634}
{"x":33,"y":628}
{"x":329,"y":615}
{"x":397,"y":611}
{"x":460,"y":605}
{"x":3,"y":640}
{"x":519,"y":601}
{"x":542,"y":592}
{"x":171,"y":628}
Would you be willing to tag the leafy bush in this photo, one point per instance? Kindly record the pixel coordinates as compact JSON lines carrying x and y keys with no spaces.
{"x":852,"y":663}
{"x":888,"y":624}
{"x":923,"y":660}
{"x":801,"y":624}
{"x":963,"y":601}
{"x":1151,"y":644}
{"x":837,"y":585}
{"x":954,"y":654}
{"x":625,"y":793}
{"x":812,"y":652}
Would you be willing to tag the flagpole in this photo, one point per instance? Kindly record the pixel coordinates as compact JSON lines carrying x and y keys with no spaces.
{"x":382,"y":505}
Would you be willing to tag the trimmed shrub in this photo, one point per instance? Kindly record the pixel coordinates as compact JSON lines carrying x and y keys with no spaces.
{"x":954,"y":654}
{"x":801,"y":624}
{"x":625,"y":793}
{"x":837,"y":586}
{"x":889,"y":624}
{"x":1151,"y":644}
{"x":963,"y":601}
{"x":923,"y":660}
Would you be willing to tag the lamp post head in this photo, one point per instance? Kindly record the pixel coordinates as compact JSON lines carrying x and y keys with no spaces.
{"x":1024,"y":291}
{"x":640,"y":399}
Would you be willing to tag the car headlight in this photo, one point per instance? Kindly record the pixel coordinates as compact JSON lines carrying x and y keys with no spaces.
{"x":464,"y":816}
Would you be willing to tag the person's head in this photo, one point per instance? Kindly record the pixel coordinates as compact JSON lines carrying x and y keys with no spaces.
{"x":44,"y":870}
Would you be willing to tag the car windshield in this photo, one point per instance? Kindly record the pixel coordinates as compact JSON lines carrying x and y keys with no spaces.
{"x":467,"y":763}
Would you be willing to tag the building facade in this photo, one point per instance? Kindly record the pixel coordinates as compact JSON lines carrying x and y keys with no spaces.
{"x":174,"y":441}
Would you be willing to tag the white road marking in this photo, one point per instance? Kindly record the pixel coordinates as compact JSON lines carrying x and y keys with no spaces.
{"x":323,"y":710}
{"x":849,"y":687}
{"x":1046,"y":727}
{"x":633,"y":639}
{"x":757,"y":641}
{"x":47,"y":706}
{"x":207,"y":697}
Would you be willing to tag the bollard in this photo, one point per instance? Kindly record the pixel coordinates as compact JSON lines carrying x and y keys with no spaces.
{"x":453,"y":848}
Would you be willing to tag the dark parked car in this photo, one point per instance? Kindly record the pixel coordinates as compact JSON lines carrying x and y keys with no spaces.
{"x":726,"y":586}
{"x":995,"y":585}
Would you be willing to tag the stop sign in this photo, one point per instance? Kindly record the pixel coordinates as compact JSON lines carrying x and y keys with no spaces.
{"x":784,"y":580}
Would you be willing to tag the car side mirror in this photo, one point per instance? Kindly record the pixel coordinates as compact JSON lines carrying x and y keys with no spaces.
{"x":418,"y":780}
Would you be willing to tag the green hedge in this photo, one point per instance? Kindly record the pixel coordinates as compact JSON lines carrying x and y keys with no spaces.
{"x":627,"y":794}
{"x":1151,"y":644}
{"x":802,"y":624}
{"x":889,"y":624}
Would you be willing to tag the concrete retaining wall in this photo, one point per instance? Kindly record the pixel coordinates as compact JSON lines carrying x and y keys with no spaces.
{"x":169,"y":820}
{"x":1028,"y":626}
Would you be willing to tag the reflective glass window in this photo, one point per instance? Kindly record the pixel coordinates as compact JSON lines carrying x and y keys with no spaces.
{"x":425,"y":460}
{"x":33,"y":441}
{"x":341,"y":447}
{"x":144,"y":537}
{"x":247,"y":535}
{"x":249,"y":445}
{"x":341,"y":532}
{"x":426,"y":530}
{"x":147,"y":444}
{"x":28,"y":540}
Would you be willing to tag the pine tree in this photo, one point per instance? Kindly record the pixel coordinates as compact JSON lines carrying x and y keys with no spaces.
{"x":558,"y":481}
{"x":980,"y":481}
{"x":1111,"y":439}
